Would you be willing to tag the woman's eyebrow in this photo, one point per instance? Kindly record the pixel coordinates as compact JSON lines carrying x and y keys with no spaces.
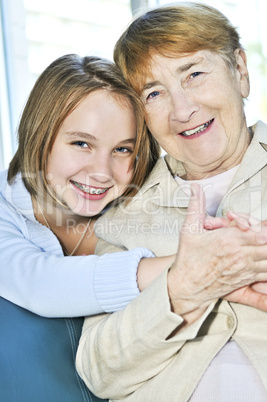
{"x":187,"y":66}
{"x":149,"y":85}
{"x":198,"y":59}
{"x":180,"y":69}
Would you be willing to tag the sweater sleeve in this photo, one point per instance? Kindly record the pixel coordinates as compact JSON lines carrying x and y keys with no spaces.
{"x":118,"y":353}
{"x":51,"y":285}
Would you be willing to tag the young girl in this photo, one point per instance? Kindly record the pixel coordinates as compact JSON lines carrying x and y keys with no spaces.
{"x":81,"y":146}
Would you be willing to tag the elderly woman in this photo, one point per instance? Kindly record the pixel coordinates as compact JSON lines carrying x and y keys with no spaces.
{"x":187,"y":337}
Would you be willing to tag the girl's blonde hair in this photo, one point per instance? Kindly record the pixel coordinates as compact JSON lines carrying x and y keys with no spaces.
{"x":56,"y":93}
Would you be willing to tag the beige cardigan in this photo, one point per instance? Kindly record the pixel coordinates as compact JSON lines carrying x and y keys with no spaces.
{"x":127,"y":355}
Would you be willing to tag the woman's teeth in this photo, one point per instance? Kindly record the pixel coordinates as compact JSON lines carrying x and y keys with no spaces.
{"x":196,"y":130}
{"x":89,"y":190}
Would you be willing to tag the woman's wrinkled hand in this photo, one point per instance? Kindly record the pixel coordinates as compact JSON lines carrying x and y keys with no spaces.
{"x":243,"y":222}
{"x":213,"y":264}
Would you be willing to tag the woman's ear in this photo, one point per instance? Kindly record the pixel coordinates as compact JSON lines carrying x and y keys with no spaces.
{"x":242,"y":72}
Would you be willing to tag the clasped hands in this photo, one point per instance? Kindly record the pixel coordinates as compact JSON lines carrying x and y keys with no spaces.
{"x":220,"y":258}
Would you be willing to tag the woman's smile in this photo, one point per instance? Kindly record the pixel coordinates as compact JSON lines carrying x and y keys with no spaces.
{"x":197,"y":97}
{"x":198,"y":130}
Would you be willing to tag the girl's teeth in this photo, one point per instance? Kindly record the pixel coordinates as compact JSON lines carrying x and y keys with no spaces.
{"x":89,"y":190}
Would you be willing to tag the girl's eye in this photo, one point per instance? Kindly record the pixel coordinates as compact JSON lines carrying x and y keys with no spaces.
{"x":123,"y":150}
{"x":152,"y":95}
{"x":81,"y":144}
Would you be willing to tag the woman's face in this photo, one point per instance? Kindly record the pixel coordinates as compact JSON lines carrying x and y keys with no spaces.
{"x":89,"y":165}
{"x":194,"y":108}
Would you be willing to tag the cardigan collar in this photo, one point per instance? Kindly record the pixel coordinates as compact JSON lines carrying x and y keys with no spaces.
{"x":167,"y":191}
{"x":256,"y":152}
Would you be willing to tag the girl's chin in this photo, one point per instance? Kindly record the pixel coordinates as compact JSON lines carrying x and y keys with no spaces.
{"x":84,"y":213}
{"x":87,"y":212}
{"x":87,"y":208}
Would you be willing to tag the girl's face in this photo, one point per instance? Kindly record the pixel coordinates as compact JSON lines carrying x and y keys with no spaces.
{"x":89,"y":164}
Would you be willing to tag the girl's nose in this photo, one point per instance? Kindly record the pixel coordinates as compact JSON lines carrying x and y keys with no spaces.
{"x":101,"y":169}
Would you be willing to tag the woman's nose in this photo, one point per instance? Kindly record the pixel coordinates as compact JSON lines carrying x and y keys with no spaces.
{"x":182,"y":106}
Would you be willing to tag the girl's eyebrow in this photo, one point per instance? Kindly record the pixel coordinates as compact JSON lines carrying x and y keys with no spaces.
{"x":127,"y":141}
{"x":81,"y":134}
{"x":91,"y":137}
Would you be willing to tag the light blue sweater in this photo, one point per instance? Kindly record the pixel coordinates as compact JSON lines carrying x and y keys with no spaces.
{"x":35,"y":275}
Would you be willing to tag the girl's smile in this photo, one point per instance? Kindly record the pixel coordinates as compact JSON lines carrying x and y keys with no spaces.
{"x":89,"y":164}
{"x":89,"y":192}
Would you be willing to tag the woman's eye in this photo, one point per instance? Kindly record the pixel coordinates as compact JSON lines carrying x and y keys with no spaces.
{"x":152,"y":95}
{"x":81,"y":144}
{"x":193,"y":75}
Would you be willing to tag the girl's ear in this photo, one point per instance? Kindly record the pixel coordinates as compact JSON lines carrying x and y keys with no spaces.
{"x":242,"y":72}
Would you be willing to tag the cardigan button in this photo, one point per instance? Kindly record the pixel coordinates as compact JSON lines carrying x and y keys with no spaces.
{"x":230,"y":322}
